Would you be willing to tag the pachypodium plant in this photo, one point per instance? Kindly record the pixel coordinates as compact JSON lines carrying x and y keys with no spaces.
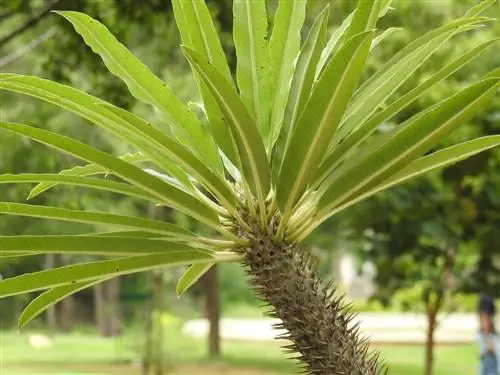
{"x":286,"y":143}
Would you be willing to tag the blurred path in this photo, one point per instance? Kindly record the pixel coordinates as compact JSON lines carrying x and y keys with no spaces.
{"x":383,"y":328}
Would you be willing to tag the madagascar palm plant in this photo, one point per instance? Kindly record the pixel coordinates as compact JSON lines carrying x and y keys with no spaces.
{"x":286,"y":143}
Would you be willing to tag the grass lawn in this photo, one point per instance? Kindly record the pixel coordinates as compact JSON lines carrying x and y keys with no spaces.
{"x":85,"y":354}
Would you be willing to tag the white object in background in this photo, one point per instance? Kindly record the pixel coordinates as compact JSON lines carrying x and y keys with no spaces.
{"x":39,"y":341}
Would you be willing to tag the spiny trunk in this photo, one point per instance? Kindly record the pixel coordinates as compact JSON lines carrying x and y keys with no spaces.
{"x":318,"y":323}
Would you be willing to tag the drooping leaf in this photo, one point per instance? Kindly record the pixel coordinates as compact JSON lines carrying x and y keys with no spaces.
{"x":145,"y":86}
{"x":191,"y":276}
{"x":83,"y":272}
{"x":405,"y":145}
{"x":251,"y":149}
{"x":96,"y":218}
{"x":198,"y":32}
{"x":342,"y":150}
{"x":165,"y":193}
{"x":320,"y":119}
{"x":284,"y":48}
{"x":250,"y":29}
{"x":49,"y":298}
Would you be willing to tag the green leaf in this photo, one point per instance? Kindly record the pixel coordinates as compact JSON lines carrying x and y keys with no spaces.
{"x":167,"y":194}
{"x":198,"y":32}
{"x":95,"y":183}
{"x":89,"y":245}
{"x":320,"y":119}
{"x":83,"y":272}
{"x":302,"y":82}
{"x":252,"y":52}
{"x":145,"y":86}
{"x":49,"y":298}
{"x":454,"y":26}
{"x":284,"y":48}
{"x":342,"y":150}
{"x":479,"y":8}
{"x":334,"y":43}
{"x":385,"y":34}
{"x":180,"y":155}
{"x":96,"y":218}
{"x":96,"y":111}
{"x":434,"y":161}
{"x":191,"y":276}
{"x":364,"y":18}
{"x":251,"y":149}
{"x":87,"y":170}
{"x":366,"y":102}
{"x":406,"y":144}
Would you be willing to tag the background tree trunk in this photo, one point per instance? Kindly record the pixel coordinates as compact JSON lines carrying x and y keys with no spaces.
{"x":429,"y":346}
{"x":50,"y":314}
{"x":99,"y":305}
{"x":159,"y":309}
{"x":107,"y":307}
{"x":212,"y":310}
{"x":67,"y":307}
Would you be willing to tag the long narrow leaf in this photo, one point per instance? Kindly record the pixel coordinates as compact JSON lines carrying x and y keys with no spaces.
{"x":83,"y":272}
{"x":96,"y":218}
{"x":385,"y":34}
{"x":252,"y":52}
{"x":167,"y":194}
{"x":341,"y":150}
{"x":191,"y":276}
{"x":49,"y":298}
{"x":89,"y":245}
{"x":302,"y":83}
{"x":145,"y":86}
{"x":366,"y":102}
{"x":417,"y":44}
{"x":479,"y":8}
{"x":333,"y":44}
{"x":364,"y":18}
{"x":183,"y":157}
{"x":86,"y":170}
{"x":407,"y":144}
{"x":97,"y":112}
{"x":284,"y":48}
{"x":198,"y":32}
{"x":251,"y":149}
{"x":94,"y":183}
{"x":320,"y":119}
{"x":437,"y":160}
